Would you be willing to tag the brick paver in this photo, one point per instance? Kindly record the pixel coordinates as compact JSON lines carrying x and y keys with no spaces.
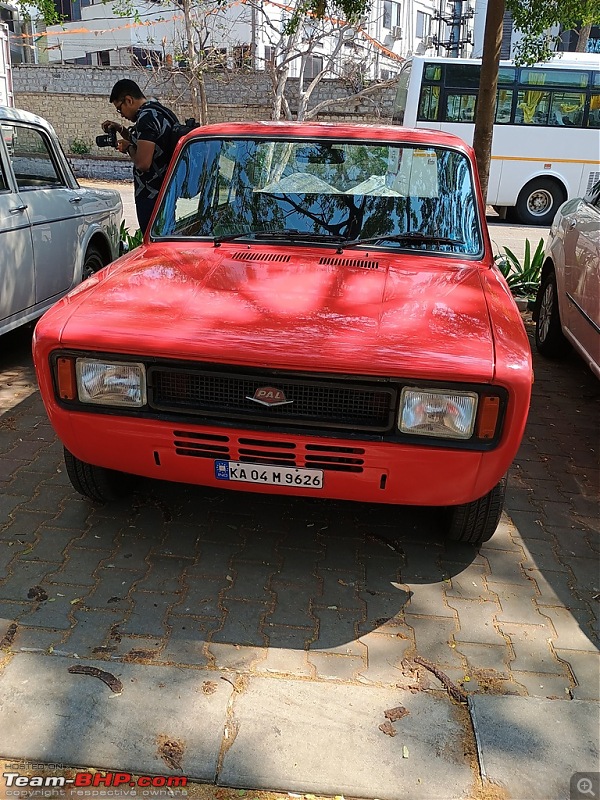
{"x":340,"y":592}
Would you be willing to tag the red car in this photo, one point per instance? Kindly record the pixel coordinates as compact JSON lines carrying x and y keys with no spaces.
{"x":315,"y":311}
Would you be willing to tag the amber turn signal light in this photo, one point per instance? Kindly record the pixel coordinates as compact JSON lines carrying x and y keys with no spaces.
{"x":489,"y":409}
{"x":65,"y":374}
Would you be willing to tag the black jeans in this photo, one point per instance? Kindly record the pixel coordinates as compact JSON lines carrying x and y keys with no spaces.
{"x":144,"y":207}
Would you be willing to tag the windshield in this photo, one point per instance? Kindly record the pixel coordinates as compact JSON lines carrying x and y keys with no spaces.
{"x":321,"y":190}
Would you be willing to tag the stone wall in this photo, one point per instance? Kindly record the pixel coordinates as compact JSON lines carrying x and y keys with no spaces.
{"x":74,"y":99}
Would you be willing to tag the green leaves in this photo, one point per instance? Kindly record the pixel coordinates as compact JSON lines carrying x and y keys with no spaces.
{"x":534,"y":18}
{"x":523,"y":278}
{"x":130,"y":240}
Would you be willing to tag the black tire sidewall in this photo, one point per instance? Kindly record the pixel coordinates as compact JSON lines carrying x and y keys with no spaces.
{"x":555,"y":344}
{"x":92,"y":262}
{"x":525,"y":216}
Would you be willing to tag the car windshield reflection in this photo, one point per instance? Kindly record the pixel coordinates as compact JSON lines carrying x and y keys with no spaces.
{"x":396,"y":197}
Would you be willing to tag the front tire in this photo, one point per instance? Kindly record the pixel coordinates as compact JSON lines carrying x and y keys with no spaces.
{"x":96,"y":483}
{"x":538,"y":202}
{"x":474,"y":523}
{"x":92,"y":262}
{"x":549,"y":339}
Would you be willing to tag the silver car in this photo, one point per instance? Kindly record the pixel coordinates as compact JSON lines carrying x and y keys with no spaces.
{"x":567,"y":306}
{"x":53,"y":232}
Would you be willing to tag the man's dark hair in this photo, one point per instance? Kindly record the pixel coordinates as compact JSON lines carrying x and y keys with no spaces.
{"x":123,"y":88}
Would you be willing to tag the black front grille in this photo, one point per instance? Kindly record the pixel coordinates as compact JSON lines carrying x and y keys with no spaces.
{"x":309,"y":402}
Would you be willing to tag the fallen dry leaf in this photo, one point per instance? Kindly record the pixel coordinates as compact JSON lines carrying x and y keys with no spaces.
{"x":171,"y":751}
{"x":388,"y":729}
{"x":394,"y":714}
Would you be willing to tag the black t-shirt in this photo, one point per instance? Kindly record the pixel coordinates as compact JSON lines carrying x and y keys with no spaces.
{"x":151,"y":125}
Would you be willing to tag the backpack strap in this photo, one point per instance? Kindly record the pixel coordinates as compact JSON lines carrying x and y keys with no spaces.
{"x":170,"y":115}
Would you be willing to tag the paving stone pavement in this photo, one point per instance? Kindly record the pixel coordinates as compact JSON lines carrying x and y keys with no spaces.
{"x":307,"y":590}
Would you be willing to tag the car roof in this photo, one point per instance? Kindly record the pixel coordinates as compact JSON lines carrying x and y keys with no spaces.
{"x":316,"y":130}
{"x":17,"y":115}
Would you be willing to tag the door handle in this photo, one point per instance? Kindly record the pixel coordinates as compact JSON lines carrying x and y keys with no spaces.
{"x":17,"y":209}
{"x":74,"y":199}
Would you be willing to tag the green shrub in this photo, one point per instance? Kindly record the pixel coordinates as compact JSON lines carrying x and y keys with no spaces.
{"x":523,"y":278}
{"x":80,"y":147}
{"x":130,"y":240}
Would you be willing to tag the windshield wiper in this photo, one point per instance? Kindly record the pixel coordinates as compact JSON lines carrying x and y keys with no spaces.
{"x":293,"y":234}
{"x":230,"y":237}
{"x":289,"y":234}
{"x":408,"y":238}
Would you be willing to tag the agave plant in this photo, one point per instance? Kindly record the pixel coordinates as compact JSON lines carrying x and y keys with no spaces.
{"x":130,"y":240}
{"x":523,"y":278}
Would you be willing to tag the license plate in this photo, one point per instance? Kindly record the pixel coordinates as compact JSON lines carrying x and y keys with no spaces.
{"x":271,"y":476}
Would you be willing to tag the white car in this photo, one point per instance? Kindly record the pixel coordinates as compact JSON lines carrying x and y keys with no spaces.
{"x":567,"y":306}
{"x":53,"y":232}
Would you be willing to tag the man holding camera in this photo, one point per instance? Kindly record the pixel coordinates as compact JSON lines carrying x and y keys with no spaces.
{"x":146,"y":142}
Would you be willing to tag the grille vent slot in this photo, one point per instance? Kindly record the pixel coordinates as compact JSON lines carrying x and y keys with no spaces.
{"x":349,"y":262}
{"x":262,"y":451}
{"x":201,"y":445}
{"x":335,"y":458}
{"x":249,"y":255}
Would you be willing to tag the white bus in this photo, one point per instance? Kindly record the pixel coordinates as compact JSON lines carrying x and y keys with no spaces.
{"x":546,"y":145}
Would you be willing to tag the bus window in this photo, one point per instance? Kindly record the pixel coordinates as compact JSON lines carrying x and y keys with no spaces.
{"x":462,"y":76}
{"x":532,"y":107}
{"x":555,"y":77}
{"x":432,"y":72}
{"x":567,"y":108}
{"x":460,"y":108}
{"x":506,"y":74}
{"x":594,"y":115}
{"x":429,"y":103}
{"x":504,"y":105}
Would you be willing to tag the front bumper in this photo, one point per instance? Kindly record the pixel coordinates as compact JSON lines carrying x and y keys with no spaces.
{"x":377,"y":472}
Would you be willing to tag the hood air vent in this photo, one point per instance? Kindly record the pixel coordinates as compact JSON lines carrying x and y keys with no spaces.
{"x":248,"y":255}
{"x":349,"y":262}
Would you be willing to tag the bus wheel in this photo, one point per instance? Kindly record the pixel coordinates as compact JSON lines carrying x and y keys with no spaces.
{"x":538,"y":201}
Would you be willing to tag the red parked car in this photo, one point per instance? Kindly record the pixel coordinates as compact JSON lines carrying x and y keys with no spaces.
{"x":315,"y":311}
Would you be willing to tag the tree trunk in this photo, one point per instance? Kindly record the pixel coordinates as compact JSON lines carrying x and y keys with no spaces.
{"x":203,"y":119}
{"x":279,"y":93}
{"x":488,"y":83}
{"x":192,"y":65}
{"x":584,"y":35}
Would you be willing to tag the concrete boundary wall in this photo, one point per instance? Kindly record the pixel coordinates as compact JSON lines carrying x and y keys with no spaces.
{"x":74,"y":99}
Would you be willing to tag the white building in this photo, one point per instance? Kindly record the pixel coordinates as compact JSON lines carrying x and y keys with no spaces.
{"x":248,"y":34}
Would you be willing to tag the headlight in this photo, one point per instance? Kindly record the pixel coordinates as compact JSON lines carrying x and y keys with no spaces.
{"x":111,"y":383}
{"x":436,"y":412}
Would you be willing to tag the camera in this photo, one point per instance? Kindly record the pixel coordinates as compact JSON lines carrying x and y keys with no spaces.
{"x":108,"y":139}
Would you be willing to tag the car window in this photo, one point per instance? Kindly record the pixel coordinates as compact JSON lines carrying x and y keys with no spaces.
{"x":3,"y":179}
{"x":31,"y":157}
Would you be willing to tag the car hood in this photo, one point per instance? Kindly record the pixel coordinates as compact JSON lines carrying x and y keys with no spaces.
{"x":292,"y":308}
